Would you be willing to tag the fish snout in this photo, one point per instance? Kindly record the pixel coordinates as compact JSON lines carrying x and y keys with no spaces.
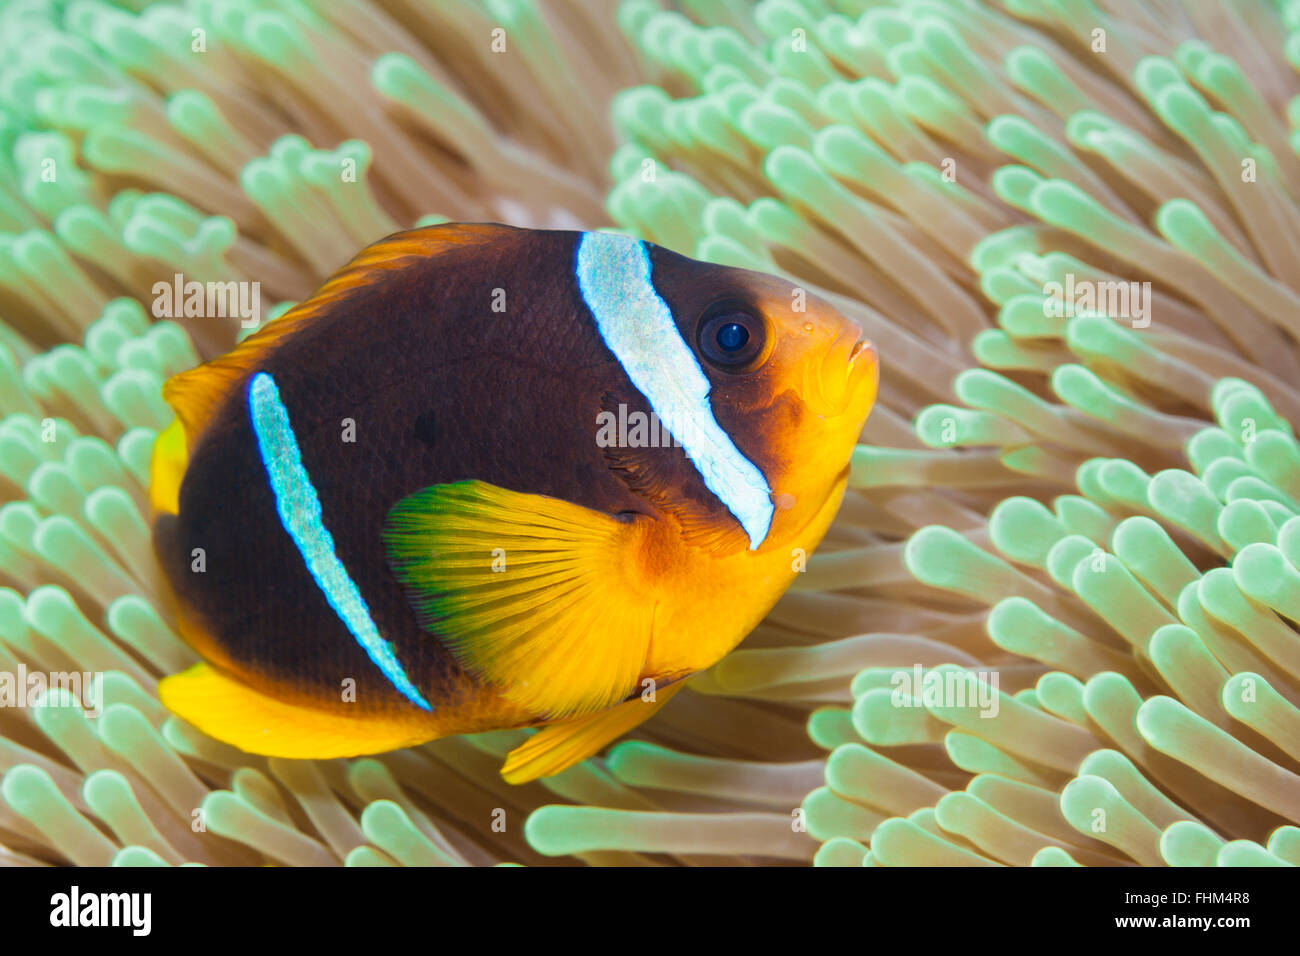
{"x":848,"y":371}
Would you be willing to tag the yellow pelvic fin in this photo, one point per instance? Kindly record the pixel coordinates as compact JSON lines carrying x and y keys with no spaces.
{"x":560,"y":746}
{"x":540,"y":598}
{"x":167,"y":468}
{"x":234,"y":713}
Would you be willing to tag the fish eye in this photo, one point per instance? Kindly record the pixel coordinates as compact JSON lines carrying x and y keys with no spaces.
{"x":732,"y":339}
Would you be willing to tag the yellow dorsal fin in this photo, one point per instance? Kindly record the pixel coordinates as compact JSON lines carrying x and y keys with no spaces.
{"x":256,"y":723}
{"x":540,"y":598}
{"x":196,"y":395}
{"x":559,"y":746}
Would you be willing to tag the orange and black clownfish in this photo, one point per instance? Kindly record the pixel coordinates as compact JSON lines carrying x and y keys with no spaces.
{"x":421,"y":516}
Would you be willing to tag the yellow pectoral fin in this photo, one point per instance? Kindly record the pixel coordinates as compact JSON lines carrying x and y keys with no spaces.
{"x":236,"y":714}
{"x":559,"y":746}
{"x":540,"y":598}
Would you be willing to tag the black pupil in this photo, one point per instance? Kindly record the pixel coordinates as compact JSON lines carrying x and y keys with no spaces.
{"x":732,"y":337}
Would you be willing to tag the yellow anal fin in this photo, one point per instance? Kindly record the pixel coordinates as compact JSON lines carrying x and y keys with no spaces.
{"x":236,"y":714}
{"x":559,"y":746}
{"x":167,"y":468}
{"x":559,"y":622}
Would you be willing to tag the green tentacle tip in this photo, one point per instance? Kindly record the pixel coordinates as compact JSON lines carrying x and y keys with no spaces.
{"x":1148,"y":551}
{"x":1288,"y":539}
{"x":1186,"y":500}
{"x":1242,"y":410}
{"x":1016,"y":185}
{"x":1062,"y":695}
{"x":1018,"y":625}
{"x":1244,"y":522}
{"x":1263,"y":573}
{"x":1252,"y":700}
{"x":929,"y":103}
{"x":1000,"y":284}
{"x":947,"y":426}
{"x":1003,"y":249}
{"x":770,"y":126}
{"x":561,"y":830}
{"x":1094,"y":336}
{"x":368,"y":856}
{"x":840,"y":851}
{"x":880,"y":720}
{"x":898,"y":842}
{"x":277,"y":39}
{"x":1183,"y":224}
{"x":797,"y":175}
{"x":1124,"y":482}
{"x":1069,"y":553}
{"x":135,"y":448}
{"x":134,"y":396}
{"x":1284,"y":843}
{"x":1247,"y":853}
{"x":975,"y":755}
{"x":1276,"y":456}
{"x":1020,"y":139}
{"x":1085,"y":390}
{"x":1053,"y":856}
{"x":1189,"y":843}
{"x":50,"y":179}
{"x":830,"y":727}
{"x":1221,"y":475}
{"x":985,"y":389}
{"x":387,"y":826}
{"x":1080,"y":516}
{"x":1088,"y":479}
{"x":1024,"y":530}
{"x":30,"y":792}
{"x":1086,"y":797}
{"x":942,"y":558}
{"x":996,"y":349}
{"x":1171,"y":727}
{"x":829,"y":816}
{"x":1250,"y":487}
{"x":137,"y":856}
{"x":1063,"y":204}
{"x":1179,"y":654}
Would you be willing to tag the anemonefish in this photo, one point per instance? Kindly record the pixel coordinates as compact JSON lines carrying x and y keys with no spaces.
{"x":429,"y":500}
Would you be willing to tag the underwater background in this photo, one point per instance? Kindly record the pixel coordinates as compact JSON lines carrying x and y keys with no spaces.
{"x":1089,"y":503}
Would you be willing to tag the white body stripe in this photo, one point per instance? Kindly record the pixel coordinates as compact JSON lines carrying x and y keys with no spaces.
{"x":300,"y":513}
{"x":636,"y":323}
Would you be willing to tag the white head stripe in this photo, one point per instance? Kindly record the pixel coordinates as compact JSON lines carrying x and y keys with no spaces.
{"x":637,"y":325}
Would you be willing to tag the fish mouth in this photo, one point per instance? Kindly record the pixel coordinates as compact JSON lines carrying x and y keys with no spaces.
{"x":847,"y":372}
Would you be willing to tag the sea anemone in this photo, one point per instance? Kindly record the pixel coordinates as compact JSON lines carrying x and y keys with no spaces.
{"x":1054,"y":622}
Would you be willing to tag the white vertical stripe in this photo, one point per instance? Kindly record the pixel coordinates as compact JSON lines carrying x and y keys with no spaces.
{"x":636,"y":323}
{"x":300,"y":513}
